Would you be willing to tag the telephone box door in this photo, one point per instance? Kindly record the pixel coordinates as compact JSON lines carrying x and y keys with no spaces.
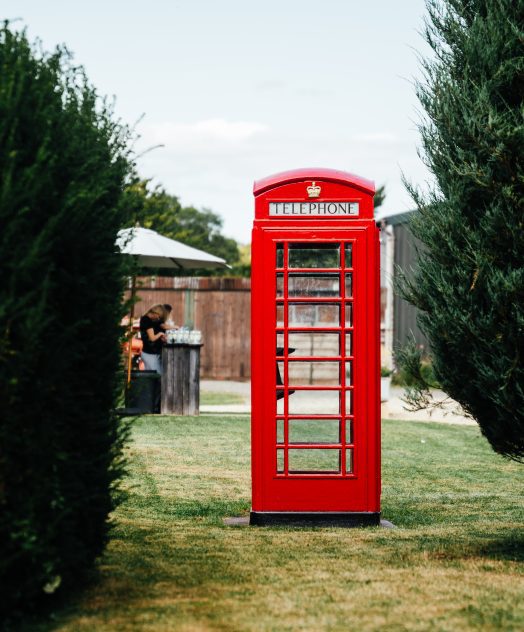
{"x":314,"y":386}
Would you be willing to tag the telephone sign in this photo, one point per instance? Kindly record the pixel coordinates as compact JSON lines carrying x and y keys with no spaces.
{"x":315,"y":350}
{"x":313,"y":208}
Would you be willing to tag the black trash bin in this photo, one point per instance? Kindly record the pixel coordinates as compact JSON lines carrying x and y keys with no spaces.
{"x":143,"y":393}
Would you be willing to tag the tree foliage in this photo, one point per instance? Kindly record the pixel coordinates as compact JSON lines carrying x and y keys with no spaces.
{"x":469,"y":282}
{"x":380,"y":196}
{"x":63,"y":165}
{"x":154,"y":208}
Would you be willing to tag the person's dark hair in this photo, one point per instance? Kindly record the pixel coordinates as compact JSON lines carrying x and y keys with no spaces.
{"x":168,"y":307}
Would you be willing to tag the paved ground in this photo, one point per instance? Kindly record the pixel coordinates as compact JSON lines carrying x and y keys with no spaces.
{"x":394,"y":408}
{"x":450,"y":412}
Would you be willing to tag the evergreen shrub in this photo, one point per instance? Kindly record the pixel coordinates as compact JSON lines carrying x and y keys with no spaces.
{"x":469,"y":283}
{"x":63,"y":167}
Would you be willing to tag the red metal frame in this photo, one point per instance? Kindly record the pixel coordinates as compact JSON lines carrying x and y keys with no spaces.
{"x":346,"y":490}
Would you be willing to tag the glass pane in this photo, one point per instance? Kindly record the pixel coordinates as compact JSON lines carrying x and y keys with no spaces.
{"x":280,"y":256}
{"x":280,"y":284}
{"x":349,"y":285}
{"x":280,"y":431}
{"x":349,"y":373}
{"x":314,"y":403}
{"x":280,"y":373}
{"x":349,"y":255}
{"x":314,"y":431}
{"x":349,"y":343}
{"x":314,"y":344}
{"x":349,"y":461}
{"x":280,"y":344}
{"x":349,"y":402}
{"x":349,"y":314}
{"x":349,"y":430}
{"x":280,"y":315}
{"x":307,"y":373}
{"x":280,"y":461}
{"x":313,"y":315}
{"x":314,"y":255}
{"x":314,"y":284}
{"x":304,"y":461}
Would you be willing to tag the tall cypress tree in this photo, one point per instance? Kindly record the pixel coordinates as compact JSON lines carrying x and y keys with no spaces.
{"x":469,"y":283}
{"x":63,"y":166}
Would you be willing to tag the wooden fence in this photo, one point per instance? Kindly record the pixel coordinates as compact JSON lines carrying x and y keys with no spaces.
{"x":219,"y":307}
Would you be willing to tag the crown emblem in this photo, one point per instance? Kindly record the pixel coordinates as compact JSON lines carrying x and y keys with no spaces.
{"x":313,"y":190}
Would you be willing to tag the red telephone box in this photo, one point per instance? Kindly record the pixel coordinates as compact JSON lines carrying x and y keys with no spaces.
{"x":315,"y":350}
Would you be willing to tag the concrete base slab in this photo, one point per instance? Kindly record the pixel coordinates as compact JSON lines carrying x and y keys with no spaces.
{"x":240,"y":521}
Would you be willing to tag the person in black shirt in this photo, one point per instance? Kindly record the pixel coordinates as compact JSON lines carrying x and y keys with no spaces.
{"x":152,"y":335}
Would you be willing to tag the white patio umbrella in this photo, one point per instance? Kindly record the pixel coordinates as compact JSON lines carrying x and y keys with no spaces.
{"x":152,"y":250}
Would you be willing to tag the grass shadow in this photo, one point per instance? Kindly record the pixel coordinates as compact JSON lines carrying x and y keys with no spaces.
{"x":510,"y":547}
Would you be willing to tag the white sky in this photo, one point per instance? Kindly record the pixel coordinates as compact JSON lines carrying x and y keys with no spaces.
{"x":236,"y":90}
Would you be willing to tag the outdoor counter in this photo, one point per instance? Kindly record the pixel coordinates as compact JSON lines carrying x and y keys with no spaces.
{"x":180,"y":387}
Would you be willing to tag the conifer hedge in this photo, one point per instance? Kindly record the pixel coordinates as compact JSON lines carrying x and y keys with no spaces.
{"x":469,"y":284}
{"x":63,"y":165}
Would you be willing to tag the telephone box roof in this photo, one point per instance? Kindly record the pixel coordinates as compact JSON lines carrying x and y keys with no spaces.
{"x":298,"y":175}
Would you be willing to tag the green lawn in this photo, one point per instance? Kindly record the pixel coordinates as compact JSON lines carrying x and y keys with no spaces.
{"x":215,"y":398}
{"x":453,"y":563}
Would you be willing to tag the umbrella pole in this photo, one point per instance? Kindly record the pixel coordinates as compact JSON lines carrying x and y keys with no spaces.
{"x":130,"y":334}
